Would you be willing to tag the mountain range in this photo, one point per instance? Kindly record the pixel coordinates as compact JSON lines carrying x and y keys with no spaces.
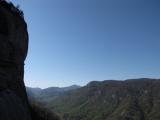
{"x":133,"y":99}
{"x":48,"y":92}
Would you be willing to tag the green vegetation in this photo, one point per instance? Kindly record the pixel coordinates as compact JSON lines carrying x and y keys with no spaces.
{"x":137,"y":99}
{"x":14,"y":9}
{"x":40,"y":113}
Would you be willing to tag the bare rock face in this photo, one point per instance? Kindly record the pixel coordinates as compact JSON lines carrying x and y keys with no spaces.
{"x":13,"y":51}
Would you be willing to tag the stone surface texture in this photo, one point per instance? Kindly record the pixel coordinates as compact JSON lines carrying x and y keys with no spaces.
{"x":13,"y":50}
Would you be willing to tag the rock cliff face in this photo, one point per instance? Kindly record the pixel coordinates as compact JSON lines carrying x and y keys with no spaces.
{"x":13,"y":51}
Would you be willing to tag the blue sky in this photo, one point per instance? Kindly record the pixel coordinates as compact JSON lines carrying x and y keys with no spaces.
{"x":77,"y":41}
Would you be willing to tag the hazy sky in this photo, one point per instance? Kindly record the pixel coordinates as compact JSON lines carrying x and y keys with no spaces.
{"x":77,"y":41}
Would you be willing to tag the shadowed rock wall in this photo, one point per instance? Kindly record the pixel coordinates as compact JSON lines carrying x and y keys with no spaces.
{"x":13,"y":51}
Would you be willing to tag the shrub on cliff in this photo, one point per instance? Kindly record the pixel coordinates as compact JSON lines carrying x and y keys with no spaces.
{"x":15,"y":9}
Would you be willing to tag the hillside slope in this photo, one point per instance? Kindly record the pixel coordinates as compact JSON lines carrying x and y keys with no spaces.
{"x":136,"y":99}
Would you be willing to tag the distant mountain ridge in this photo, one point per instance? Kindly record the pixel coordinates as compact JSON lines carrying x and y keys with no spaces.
{"x":133,"y":99}
{"x":48,"y":92}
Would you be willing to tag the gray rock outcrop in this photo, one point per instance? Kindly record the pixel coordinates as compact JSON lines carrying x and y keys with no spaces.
{"x":13,"y":51}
